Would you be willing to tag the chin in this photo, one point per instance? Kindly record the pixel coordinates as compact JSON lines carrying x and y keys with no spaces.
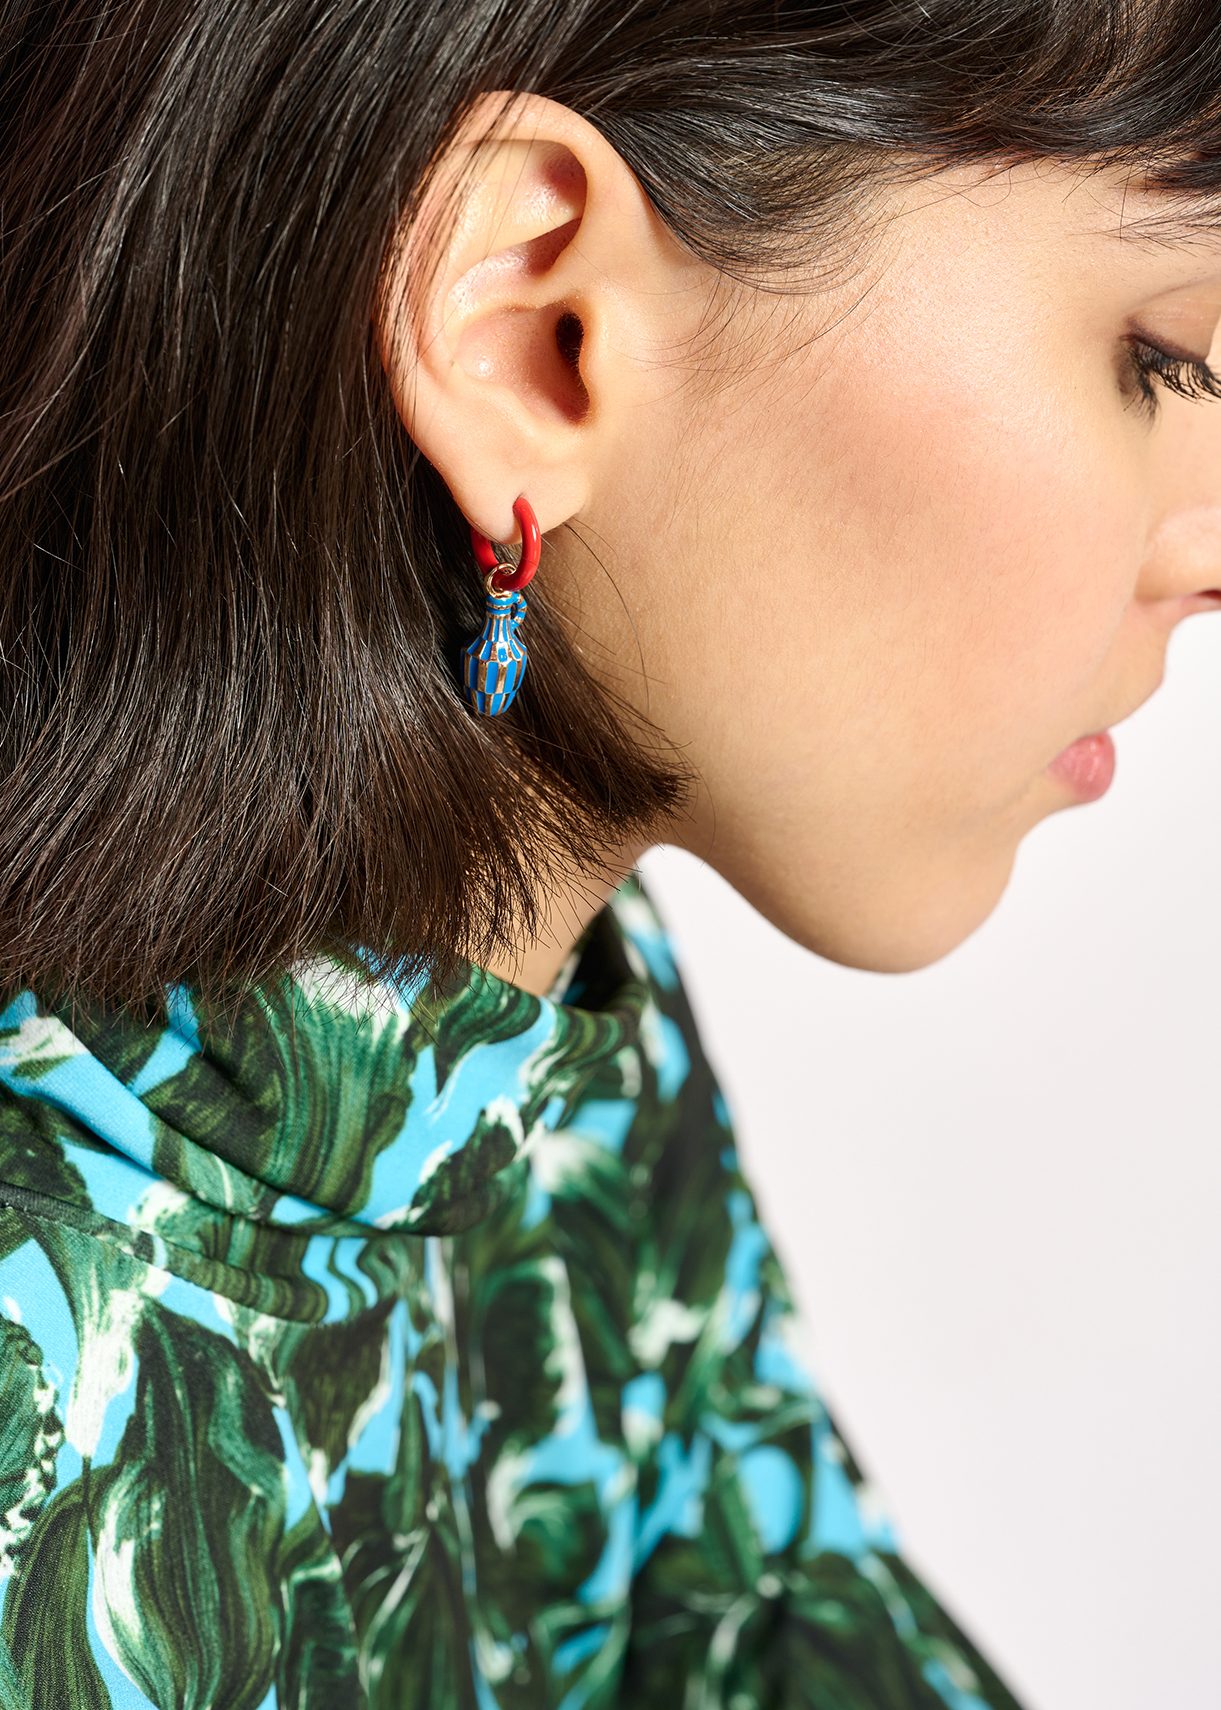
{"x":901,"y":922}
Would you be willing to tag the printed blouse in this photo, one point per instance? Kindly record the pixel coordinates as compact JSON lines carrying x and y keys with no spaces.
{"x":399,"y":1348}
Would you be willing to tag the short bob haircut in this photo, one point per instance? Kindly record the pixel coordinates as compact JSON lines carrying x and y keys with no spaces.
{"x":234,"y":591}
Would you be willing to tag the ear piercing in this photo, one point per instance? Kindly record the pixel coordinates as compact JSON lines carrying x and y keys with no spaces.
{"x":494,"y":663}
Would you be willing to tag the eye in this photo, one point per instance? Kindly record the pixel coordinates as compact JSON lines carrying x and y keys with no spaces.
{"x":1190,"y":377}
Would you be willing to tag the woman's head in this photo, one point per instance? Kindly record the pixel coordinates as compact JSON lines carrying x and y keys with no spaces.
{"x":809,"y":342}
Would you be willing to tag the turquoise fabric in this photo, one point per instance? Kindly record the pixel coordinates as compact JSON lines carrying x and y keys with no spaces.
{"x":401,"y":1347}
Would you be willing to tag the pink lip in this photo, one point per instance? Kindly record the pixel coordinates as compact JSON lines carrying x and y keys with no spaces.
{"x":1087,"y":765}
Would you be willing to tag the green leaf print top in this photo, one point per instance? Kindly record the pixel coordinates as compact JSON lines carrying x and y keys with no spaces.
{"x":416,"y":1348}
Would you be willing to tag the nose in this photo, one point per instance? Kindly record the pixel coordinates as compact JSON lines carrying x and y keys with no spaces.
{"x":1183,"y":564}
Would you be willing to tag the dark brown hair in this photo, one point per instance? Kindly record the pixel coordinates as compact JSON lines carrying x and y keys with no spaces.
{"x":233,"y":591}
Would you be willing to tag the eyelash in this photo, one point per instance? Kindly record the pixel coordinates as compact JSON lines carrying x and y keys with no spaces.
{"x":1187,"y":376}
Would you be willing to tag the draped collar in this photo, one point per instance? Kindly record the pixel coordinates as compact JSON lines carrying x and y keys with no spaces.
{"x":330,"y":1105}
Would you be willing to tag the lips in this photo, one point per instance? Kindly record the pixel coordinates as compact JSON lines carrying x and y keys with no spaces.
{"x":1087,"y":765}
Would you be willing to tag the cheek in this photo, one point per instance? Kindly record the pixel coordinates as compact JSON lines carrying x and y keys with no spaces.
{"x":971,"y":561}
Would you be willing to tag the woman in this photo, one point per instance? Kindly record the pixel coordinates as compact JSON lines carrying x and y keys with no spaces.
{"x":385,"y":1318}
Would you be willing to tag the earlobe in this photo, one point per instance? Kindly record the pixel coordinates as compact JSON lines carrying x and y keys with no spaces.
{"x":498,"y":307}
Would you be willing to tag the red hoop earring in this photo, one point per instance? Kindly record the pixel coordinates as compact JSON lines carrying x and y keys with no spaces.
{"x":531,"y":548}
{"x":494,"y":663}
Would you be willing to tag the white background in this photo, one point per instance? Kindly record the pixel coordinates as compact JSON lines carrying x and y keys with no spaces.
{"x":996,"y":1186}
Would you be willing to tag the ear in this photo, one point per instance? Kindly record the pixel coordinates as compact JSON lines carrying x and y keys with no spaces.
{"x":516,"y":307}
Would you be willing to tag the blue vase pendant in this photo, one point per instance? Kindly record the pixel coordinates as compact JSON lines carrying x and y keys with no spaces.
{"x":494,"y":663}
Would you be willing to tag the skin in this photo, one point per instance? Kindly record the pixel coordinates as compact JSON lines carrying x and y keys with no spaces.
{"x":875,"y":555}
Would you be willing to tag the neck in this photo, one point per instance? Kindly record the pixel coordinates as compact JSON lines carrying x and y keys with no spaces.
{"x":565,"y":910}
